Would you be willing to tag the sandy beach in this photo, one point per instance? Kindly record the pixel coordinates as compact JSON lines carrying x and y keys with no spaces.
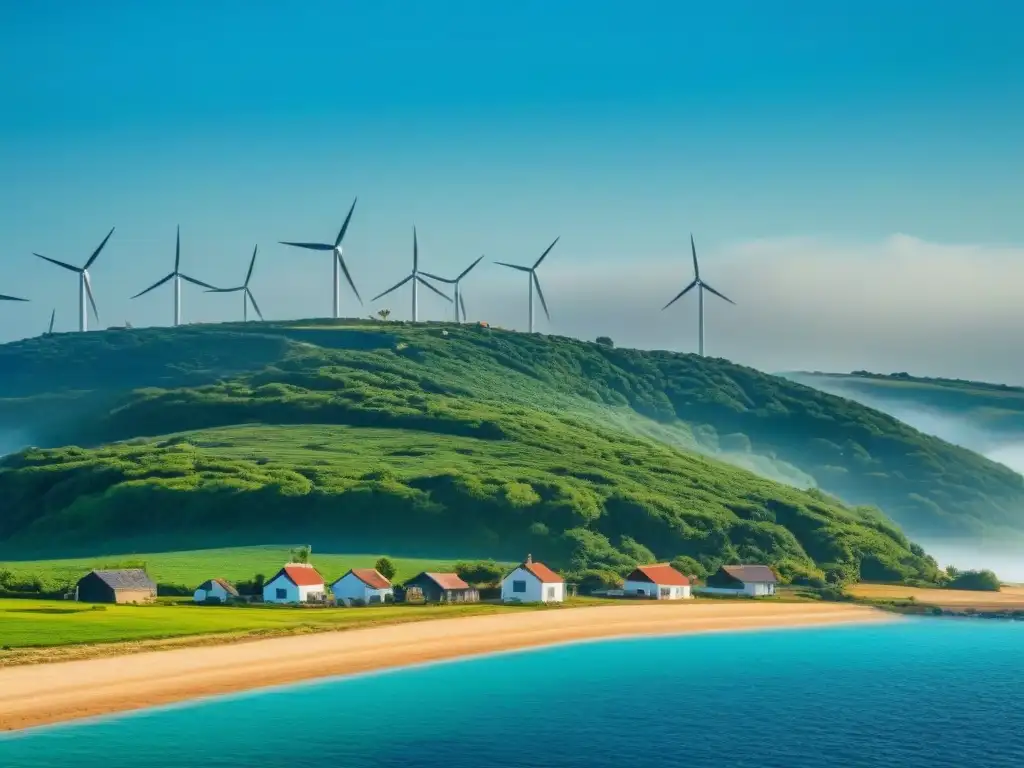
{"x":49,"y":693}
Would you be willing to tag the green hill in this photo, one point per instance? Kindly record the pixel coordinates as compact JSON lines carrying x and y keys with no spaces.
{"x":464,"y":440}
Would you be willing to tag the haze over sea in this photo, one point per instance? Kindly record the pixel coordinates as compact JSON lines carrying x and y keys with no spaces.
{"x":913,"y":693}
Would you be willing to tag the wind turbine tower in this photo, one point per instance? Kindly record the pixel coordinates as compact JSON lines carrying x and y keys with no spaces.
{"x":177,"y":276}
{"x":416,"y":277}
{"x":460,"y":305}
{"x":84,"y":284}
{"x":701,"y":286}
{"x":337,"y":259}
{"x":534,"y":282}
{"x":244,"y":289}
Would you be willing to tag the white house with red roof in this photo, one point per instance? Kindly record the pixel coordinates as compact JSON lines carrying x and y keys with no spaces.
{"x":659,"y":582}
{"x":295,"y":583}
{"x":532,"y":583}
{"x":366,"y":584}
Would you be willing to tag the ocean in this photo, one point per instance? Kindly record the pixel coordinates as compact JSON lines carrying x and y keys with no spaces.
{"x":922,"y":693}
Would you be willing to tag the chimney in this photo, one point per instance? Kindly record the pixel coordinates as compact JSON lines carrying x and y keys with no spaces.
{"x":529,"y":559}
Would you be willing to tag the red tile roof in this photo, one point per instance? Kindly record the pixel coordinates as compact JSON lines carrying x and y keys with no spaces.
{"x":544,"y":574}
{"x":371,"y":577}
{"x":662,"y":573}
{"x":447,"y":580}
{"x":301,"y":575}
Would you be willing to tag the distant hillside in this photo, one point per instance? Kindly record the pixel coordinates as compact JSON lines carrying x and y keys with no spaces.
{"x":444,"y":433}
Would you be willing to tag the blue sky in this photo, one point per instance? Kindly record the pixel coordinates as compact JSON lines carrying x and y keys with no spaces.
{"x":494,"y":127}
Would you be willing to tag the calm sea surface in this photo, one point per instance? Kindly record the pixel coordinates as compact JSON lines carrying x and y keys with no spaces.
{"x":916,"y":694}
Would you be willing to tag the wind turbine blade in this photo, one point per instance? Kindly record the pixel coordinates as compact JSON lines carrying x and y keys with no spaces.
{"x":545,"y":254}
{"x":192,"y":280}
{"x":435,"y":290}
{"x":58,"y":263}
{"x":719,"y":295}
{"x":468,"y":269}
{"x":439,"y":279}
{"x":177,"y":249}
{"x":53,"y":316}
{"x":254,"y":304}
{"x":680,"y":295}
{"x":540,"y":295}
{"x":693,"y":249}
{"x":226,"y":290}
{"x":513,"y":266}
{"x":157,"y":284}
{"x":351,"y":282}
{"x":462,"y":305}
{"x":310,"y":246}
{"x":88,"y":292}
{"x":10,"y":298}
{"x":392,"y":288}
{"x":344,"y":227}
{"x":97,"y":251}
{"x":252,"y":264}
{"x":415,"y":251}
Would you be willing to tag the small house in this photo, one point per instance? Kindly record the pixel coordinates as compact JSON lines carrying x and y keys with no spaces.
{"x":127,"y":585}
{"x":365,"y":584}
{"x":295,"y":583}
{"x":443,"y":588}
{"x":658,"y":582}
{"x":215,"y":589}
{"x":532,"y":583}
{"x":751,"y":580}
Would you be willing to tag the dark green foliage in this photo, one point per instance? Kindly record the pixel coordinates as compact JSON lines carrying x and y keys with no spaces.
{"x":482,"y":573}
{"x":983,"y":581}
{"x":479,"y":441}
{"x":386,"y":568}
{"x":605,"y":341}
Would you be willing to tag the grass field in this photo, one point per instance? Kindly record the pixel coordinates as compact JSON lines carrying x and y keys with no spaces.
{"x":1009,"y":598}
{"x":191,"y":568}
{"x":47,"y":623}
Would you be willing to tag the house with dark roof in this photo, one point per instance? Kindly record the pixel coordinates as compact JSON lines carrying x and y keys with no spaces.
{"x":127,"y":585}
{"x":751,"y":580}
{"x":442,"y":588}
{"x":658,"y":582}
{"x":367,"y":585}
{"x":215,"y":589}
{"x":532,"y":582}
{"x":295,"y":583}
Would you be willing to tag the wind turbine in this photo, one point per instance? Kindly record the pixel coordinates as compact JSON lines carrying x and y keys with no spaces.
{"x":338,"y":260}
{"x":416,"y":280}
{"x":84,"y":284}
{"x":460,"y":305}
{"x":701,"y":286}
{"x":177,"y":276}
{"x":244,"y":288}
{"x":53,"y":316}
{"x":534,"y":282}
{"x":10,"y":298}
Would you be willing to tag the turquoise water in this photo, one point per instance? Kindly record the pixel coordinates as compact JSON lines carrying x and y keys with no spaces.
{"x":923,"y":693}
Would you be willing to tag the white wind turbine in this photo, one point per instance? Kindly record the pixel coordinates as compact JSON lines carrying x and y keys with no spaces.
{"x":84,"y":284}
{"x":416,"y":279}
{"x":460,"y":305}
{"x":10,"y":298}
{"x":338,"y":260}
{"x":701,"y":286}
{"x":177,"y":276}
{"x":534,"y":282}
{"x":244,"y":289}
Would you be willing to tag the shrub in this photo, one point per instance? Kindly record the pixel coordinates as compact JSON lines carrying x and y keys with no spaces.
{"x":605,"y":341}
{"x":982,"y":581}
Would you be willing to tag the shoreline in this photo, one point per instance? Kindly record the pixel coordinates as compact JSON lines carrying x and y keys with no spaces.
{"x":47,"y":694}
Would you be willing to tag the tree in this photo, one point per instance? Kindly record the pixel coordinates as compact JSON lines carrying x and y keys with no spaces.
{"x":480,"y":572}
{"x":386,"y":568}
{"x":983,"y":581}
{"x":384,"y":314}
{"x":605,"y":341}
{"x":301,"y":554}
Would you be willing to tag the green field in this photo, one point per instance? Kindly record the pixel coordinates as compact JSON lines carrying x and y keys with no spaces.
{"x":191,"y":568}
{"x":47,"y":623}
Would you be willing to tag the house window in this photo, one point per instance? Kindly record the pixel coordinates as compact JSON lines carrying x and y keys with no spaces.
{"x":551,"y":593}
{"x":666,"y":591}
{"x":281,"y":593}
{"x":518,"y":586}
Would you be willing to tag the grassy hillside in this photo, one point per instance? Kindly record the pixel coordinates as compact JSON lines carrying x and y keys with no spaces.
{"x":467,"y":438}
{"x":994,"y":409}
